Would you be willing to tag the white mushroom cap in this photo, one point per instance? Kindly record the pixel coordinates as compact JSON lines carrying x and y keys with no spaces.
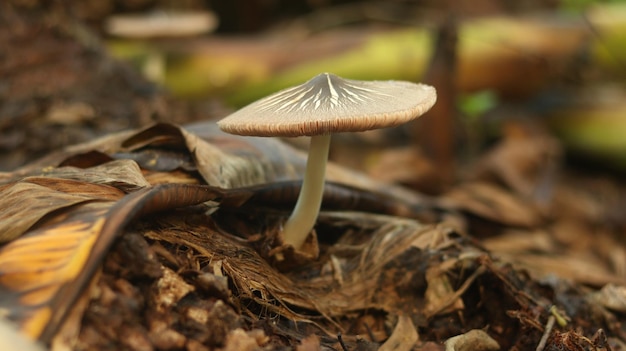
{"x":330,"y":104}
{"x":161,"y":24}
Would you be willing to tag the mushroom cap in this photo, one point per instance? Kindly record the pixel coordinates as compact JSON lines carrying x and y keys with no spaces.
{"x":330,"y":104}
{"x":161,"y":24}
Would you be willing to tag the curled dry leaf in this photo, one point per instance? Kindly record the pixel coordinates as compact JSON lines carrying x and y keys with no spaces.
{"x":37,"y":269}
{"x":403,"y":338}
{"x":26,"y":202}
{"x":122,"y":174}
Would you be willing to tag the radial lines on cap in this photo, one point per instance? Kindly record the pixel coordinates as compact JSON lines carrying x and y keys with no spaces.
{"x":325,"y":92}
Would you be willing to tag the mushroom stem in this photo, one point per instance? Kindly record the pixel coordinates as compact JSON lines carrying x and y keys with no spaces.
{"x":304,"y":215}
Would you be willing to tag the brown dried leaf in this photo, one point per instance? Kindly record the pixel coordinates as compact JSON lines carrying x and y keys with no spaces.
{"x":36,"y":270}
{"x":405,"y":166}
{"x":526,"y":161}
{"x":588,"y":271}
{"x":403,"y":338}
{"x":66,"y":338}
{"x":440,"y":295}
{"x":122,"y":174}
{"x":493,"y":203}
{"x":612,"y":297}
{"x":77,"y":187}
{"x":25,"y":203}
{"x":31,"y":198}
{"x":44,"y":271}
{"x":223,"y":160}
{"x":562,"y":250}
{"x":105,"y":145}
{"x":377,"y":267}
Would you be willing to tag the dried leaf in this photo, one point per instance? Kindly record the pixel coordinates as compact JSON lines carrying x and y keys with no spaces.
{"x":36,"y":270}
{"x":403,"y":338}
{"x":612,"y":297}
{"x":43,"y":272}
{"x":223,"y":160}
{"x":526,"y":161}
{"x":405,"y":166}
{"x":25,"y":203}
{"x":493,"y":203}
{"x":122,"y":174}
{"x":371,"y":268}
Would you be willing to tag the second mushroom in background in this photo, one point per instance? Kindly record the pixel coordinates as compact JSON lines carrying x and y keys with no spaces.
{"x":322,"y":106}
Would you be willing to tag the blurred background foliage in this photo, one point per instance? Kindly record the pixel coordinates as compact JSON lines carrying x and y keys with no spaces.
{"x":560,"y":63}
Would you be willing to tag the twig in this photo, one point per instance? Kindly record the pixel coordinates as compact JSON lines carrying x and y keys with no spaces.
{"x":343,"y":345}
{"x":370,"y":333}
{"x":546,"y":333}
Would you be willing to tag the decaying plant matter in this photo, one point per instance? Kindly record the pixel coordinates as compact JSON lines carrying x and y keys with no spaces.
{"x":162,"y":238}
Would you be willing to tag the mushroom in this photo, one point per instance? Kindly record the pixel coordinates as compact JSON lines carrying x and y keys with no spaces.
{"x":171,"y":24}
{"x":156,"y":26}
{"x":324,"y":105}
